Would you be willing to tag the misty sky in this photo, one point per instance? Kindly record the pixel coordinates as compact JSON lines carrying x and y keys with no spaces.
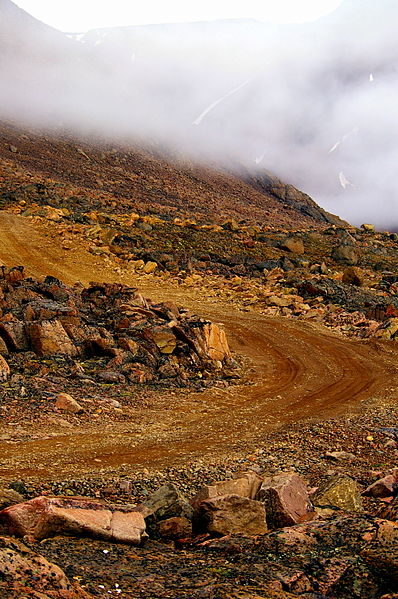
{"x":82,"y":15}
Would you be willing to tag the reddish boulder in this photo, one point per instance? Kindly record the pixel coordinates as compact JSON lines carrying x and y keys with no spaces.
{"x":286,"y":500}
{"x":66,"y":403}
{"x":14,"y":334}
{"x":390,"y":512}
{"x":175,"y":528}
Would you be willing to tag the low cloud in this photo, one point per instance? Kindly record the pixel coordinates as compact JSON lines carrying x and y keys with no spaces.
{"x":315,"y":103}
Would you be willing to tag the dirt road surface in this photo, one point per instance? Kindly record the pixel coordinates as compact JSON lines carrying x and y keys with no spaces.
{"x":296,"y":370}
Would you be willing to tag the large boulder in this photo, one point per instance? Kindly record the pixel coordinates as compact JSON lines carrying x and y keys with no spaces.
{"x":230,"y":514}
{"x":340,"y":492}
{"x":246,"y":484}
{"x":24,"y":573}
{"x":44,"y":517}
{"x":286,"y":500}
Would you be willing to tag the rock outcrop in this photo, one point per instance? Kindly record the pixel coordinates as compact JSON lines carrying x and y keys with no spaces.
{"x":131,"y":338}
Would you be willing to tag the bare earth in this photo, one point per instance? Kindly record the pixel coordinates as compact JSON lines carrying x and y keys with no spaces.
{"x":294,"y":371}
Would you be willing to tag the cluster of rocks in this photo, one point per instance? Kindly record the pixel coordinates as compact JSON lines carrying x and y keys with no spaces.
{"x":126,"y":337}
{"x":249,"y":504}
{"x":277,"y":511}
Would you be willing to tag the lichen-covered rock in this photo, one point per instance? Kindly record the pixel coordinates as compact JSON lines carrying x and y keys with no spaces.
{"x":339,"y":492}
{"x":167,"y":502}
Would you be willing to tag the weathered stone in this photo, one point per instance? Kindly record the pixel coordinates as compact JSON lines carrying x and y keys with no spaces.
{"x":168,"y":502}
{"x":3,"y":347}
{"x":291,"y":536}
{"x":246,"y":484}
{"x":23,"y":570}
{"x":9,"y":497}
{"x":164,"y":339}
{"x":14,"y":334}
{"x":4,"y":370}
{"x":338,"y":456}
{"x":49,"y":337}
{"x":216,"y":343}
{"x":280,"y":301}
{"x":390,"y":512}
{"x":345,"y":254}
{"x":388,"y":329}
{"x":384,"y":487}
{"x":293,"y":244}
{"x":387,"y":531}
{"x":44,"y":517}
{"x":339,"y":492}
{"x":150,"y":267}
{"x":383,"y":558}
{"x":230,"y":514}
{"x":352,"y":276}
{"x":67,"y":403}
{"x":175,"y":528}
{"x":286,"y":500}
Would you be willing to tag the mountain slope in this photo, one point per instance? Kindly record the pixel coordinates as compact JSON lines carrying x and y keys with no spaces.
{"x":140,"y":179}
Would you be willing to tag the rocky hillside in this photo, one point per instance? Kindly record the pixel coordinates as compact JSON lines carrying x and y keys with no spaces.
{"x":63,"y":171}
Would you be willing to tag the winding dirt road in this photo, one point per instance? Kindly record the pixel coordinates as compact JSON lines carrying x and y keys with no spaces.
{"x":297,"y":371}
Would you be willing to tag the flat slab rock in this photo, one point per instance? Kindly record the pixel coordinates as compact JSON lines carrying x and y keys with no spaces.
{"x":44,"y":517}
